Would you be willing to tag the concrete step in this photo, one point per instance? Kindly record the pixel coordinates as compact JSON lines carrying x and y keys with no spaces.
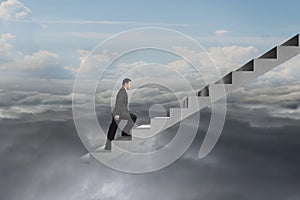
{"x":284,"y":53}
{"x":217,"y":91}
{"x":241,"y":78}
{"x":198,"y":102}
{"x":179,"y":112}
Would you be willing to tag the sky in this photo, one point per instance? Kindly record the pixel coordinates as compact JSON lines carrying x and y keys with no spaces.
{"x":44,"y":44}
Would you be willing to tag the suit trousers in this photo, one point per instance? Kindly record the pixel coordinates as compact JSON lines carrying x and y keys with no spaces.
{"x":131,"y":119}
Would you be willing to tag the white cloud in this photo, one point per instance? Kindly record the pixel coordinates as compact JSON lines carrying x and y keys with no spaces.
{"x":231,"y":57}
{"x":42,"y":64}
{"x":245,"y":40}
{"x":91,"y":64}
{"x":13,"y":10}
{"x":81,"y":21}
{"x":44,"y":26}
{"x":225,"y":58}
{"x":222,"y":32}
{"x":40,"y":59}
{"x":148,"y":70}
{"x":7,"y":49}
{"x":39,"y":64}
{"x":132,"y":64}
{"x":86,"y":35}
{"x":71,"y":69}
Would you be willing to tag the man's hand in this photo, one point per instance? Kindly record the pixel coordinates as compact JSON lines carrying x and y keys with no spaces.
{"x":117,"y":117}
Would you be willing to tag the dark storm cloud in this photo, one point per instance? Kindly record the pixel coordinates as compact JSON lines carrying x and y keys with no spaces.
{"x":38,"y":161}
{"x":255,"y":158}
{"x":266,"y":106}
{"x":292,"y":106}
{"x":246,"y":163}
{"x":52,"y":86}
{"x":29,"y":150}
{"x":15,"y":104}
{"x":11,"y":98}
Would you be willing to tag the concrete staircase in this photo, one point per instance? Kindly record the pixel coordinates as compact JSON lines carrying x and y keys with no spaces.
{"x":207,"y":95}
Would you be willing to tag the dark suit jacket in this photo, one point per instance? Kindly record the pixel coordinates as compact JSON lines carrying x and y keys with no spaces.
{"x":121,"y":106}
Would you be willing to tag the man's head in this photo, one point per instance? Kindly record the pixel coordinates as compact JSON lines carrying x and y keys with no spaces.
{"x":126,"y":83}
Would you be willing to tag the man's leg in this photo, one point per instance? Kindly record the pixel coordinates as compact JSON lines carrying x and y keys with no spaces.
{"x":129,"y":125}
{"x":111,"y":133}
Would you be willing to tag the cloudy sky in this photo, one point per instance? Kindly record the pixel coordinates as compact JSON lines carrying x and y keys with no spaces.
{"x":44,"y":43}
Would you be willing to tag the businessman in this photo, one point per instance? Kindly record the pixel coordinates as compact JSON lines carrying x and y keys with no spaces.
{"x":121,"y":111}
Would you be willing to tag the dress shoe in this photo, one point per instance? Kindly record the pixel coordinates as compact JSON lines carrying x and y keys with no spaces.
{"x":125,"y":134}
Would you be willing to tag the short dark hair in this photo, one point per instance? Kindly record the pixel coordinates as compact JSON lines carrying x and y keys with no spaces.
{"x":126,"y":80}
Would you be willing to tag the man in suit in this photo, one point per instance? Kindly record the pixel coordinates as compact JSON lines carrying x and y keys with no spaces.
{"x":121,"y":111}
